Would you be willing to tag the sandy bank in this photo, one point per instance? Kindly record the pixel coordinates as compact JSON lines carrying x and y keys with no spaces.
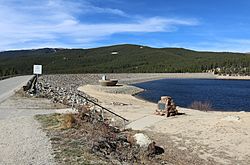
{"x":132,"y":108}
{"x":233,"y":77}
{"x":221,"y":136}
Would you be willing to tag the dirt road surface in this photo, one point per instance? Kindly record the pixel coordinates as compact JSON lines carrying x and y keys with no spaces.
{"x":22,"y":141}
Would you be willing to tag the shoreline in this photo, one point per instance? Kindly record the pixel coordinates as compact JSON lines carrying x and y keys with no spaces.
{"x":233,"y":77}
{"x":205,"y":76}
{"x":191,"y":76}
{"x":61,"y":82}
{"x":146,"y":77}
{"x":211,"y":135}
{"x":213,"y":110}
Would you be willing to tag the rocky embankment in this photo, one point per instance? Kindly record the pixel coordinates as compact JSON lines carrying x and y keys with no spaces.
{"x":62,"y":88}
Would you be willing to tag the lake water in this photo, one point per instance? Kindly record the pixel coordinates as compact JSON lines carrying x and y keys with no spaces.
{"x":225,"y":95}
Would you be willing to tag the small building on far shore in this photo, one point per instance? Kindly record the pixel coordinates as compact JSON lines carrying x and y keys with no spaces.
{"x":114,"y":53}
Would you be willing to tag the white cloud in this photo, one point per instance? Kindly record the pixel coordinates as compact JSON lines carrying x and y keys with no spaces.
{"x":56,"y":22}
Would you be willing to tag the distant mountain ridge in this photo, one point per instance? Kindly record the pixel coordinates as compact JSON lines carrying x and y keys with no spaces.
{"x":122,"y":58}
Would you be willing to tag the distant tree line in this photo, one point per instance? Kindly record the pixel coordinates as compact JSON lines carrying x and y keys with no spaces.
{"x":128,"y":59}
{"x":8,"y":71}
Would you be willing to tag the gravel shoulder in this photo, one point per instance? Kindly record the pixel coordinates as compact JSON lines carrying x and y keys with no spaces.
{"x":22,"y":140}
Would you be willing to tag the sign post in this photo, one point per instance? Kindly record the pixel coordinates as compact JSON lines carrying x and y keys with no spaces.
{"x":37,"y":70}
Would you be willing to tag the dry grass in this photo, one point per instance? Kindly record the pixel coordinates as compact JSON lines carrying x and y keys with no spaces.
{"x":57,"y":121}
{"x":202,"y":106}
{"x":93,"y":144}
{"x":68,"y":121}
{"x":85,"y":139}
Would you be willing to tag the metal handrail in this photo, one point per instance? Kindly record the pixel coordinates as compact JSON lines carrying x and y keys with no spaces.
{"x":103,"y":107}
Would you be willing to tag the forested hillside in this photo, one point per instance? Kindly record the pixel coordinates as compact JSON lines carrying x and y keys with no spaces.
{"x":122,"y":58}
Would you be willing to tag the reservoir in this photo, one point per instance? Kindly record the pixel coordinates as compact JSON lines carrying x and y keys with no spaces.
{"x":224,"y":95}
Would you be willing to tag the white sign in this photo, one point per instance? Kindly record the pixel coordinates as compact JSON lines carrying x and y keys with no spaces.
{"x":37,"y":69}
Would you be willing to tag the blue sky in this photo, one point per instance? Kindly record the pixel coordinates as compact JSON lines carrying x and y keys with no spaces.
{"x":213,"y":25}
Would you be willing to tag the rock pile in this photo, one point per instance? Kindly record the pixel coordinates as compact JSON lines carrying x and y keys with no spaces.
{"x":166,"y":106}
{"x":62,"y":89}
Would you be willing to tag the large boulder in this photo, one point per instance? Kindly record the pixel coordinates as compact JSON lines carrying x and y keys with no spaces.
{"x":142,"y":139}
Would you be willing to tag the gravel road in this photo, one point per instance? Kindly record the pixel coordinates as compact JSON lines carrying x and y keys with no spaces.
{"x":23,"y":143}
{"x":22,"y":140}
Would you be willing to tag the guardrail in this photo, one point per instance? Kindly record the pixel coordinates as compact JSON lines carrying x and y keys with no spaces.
{"x":30,"y":84}
{"x":9,"y":76}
